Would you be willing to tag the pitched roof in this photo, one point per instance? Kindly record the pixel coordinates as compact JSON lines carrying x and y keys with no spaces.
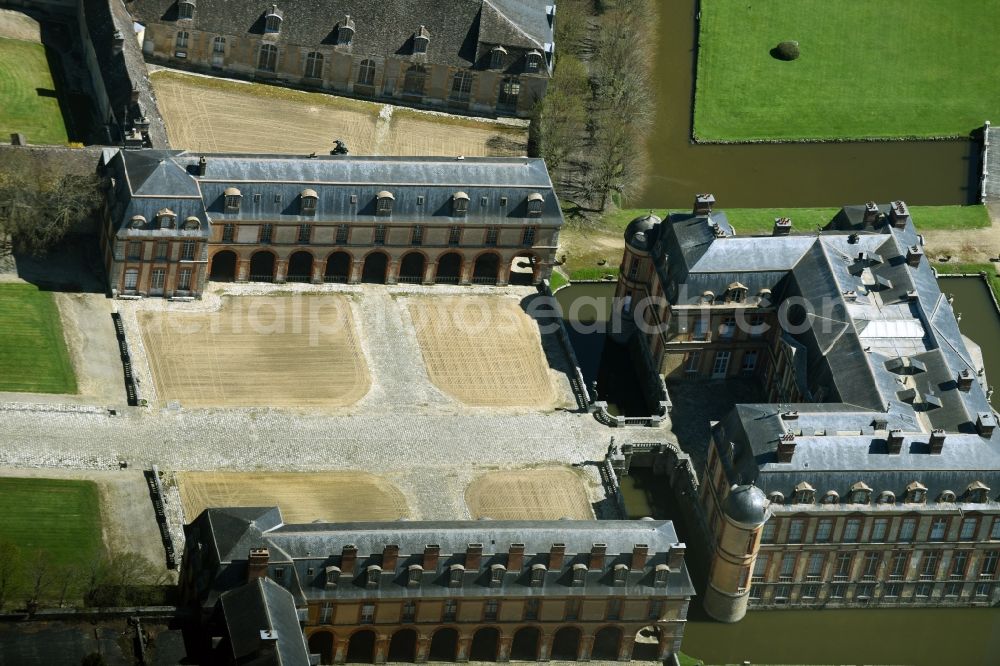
{"x":263,"y":625}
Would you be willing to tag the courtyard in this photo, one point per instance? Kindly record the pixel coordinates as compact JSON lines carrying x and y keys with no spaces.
{"x":890,"y":69}
{"x":222,"y":115}
{"x":546,"y":493}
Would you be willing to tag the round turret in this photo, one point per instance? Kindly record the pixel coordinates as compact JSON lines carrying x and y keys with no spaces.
{"x":641,"y":232}
{"x":747,"y":505}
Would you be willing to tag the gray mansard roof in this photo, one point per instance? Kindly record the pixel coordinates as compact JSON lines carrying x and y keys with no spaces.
{"x":271,"y":188}
{"x":461,"y":31}
{"x":882,"y":350}
{"x":259,"y":612}
{"x":224,"y":538}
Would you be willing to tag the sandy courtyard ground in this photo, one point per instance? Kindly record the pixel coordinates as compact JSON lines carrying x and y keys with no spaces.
{"x":15,"y":25}
{"x":275,"y":351}
{"x":219,"y":115}
{"x":483,"y":351}
{"x":303,"y":498}
{"x":529,"y":494}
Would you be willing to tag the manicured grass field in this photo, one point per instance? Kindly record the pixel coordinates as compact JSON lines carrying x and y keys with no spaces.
{"x":28,"y":101}
{"x":60,"y":517}
{"x":33,"y":354}
{"x":892,"y":68}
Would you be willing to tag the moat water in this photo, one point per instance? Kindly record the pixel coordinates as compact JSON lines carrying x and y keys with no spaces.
{"x":917,"y":636}
{"x":783,"y":175}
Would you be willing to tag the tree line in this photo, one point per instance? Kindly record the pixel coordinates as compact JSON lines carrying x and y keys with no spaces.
{"x":592,"y":125}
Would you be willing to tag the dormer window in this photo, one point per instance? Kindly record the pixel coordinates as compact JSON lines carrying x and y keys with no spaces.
{"x":372,"y":575}
{"x":166,"y":218}
{"x":620,"y":574}
{"x":776,"y":497}
{"x":421,"y":38}
{"x":272,"y":20}
{"x":579,"y":574}
{"x":233,"y":199}
{"x":383,"y":203}
{"x":185,"y":9}
{"x":861,"y":493}
{"x":533,"y":60}
{"x":137,"y":222}
{"x":661,"y":574}
{"x":332,"y":576}
{"x":831,"y":497}
{"x":455,"y":573}
{"x":947,"y":496}
{"x":345,"y":31}
{"x":309,"y":201}
{"x":413,"y":575}
{"x":459,"y":204}
{"x":496,"y":574}
{"x":498,"y":56}
{"x":804,"y":494}
{"x":535,"y":201}
{"x":736,"y":293}
{"x":538,"y":575}
{"x":192,"y":223}
{"x":977,"y":492}
{"x":916,"y":493}
{"x":887,"y":497}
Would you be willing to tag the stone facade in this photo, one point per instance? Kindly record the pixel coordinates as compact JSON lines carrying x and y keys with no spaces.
{"x":494,"y":591}
{"x":168,"y":228}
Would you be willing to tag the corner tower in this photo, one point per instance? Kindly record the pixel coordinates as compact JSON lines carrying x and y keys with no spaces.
{"x":744,"y":512}
{"x":640,"y":235}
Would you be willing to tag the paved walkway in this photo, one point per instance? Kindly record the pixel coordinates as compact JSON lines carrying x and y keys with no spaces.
{"x":992,"y":186}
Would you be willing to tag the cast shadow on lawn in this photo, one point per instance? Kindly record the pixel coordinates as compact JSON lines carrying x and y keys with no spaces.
{"x":73,"y":265}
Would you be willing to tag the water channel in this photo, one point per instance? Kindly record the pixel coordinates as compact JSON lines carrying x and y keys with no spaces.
{"x":917,"y":636}
{"x":783,"y":175}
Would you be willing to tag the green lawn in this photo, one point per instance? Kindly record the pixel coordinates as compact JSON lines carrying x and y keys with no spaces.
{"x":28,"y":101}
{"x":62,"y":518}
{"x":891,"y":68}
{"x":33,"y":354}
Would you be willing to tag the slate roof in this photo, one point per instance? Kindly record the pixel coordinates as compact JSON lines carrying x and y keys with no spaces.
{"x":263,"y":606}
{"x":272,"y":186}
{"x":460,"y":30}
{"x":882,"y":344}
{"x":224,"y":537}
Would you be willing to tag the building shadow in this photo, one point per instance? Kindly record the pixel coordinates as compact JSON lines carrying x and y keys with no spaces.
{"x":546,"y":314}
{"x":72,"y":265}
{"x":64,"y":55}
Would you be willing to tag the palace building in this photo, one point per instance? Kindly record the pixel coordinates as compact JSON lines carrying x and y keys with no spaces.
{"x":447,"y":591}
{"x":173,"y":220}
{"x":480,"y":56}
{"x":868,"y":472}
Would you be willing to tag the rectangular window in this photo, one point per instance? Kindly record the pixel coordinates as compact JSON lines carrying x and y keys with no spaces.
{"x":409,"y":611}
{"x":131,"y":278}
{"x":279,"y":573}
{"x":367,"y":613}
{"x":305,"y":234}
{"x":326,"y":613}
{"x":768,"y":533}
{"x":692,"y":365}
{"x":787,"y":566}
{"x":379,"y":238}
{"x":420,"y":200}
{"x":531,"y":609}
{"x":879,"y":529}
{"x":842,"y":569}
{"x":760,"y":568}
{"x":988,"y":568}
{"x":187,"y":250}
{"x":528,"y":236}
{"x":417,"y":236}
{"x":134,"y":250}
{"x":995,"y":531}
{"x":959,"y":562}
{"x":450,"y":610}
{"x":721,"y":364}
{"x":749,"y":362}
{"x":872,"y":560}
{"x":228,"y":233}
{"x":454,"y":235}
{"x":865,"y":592}
{"x":953,"y":589}
{"x":728,"y":328}
{"x":157,"y":278}
{"x":655,"y":610}
{"x":929,"y":564}
{"x":897,"y":566}
{"x":968,"y":531}
{"x":924,"y":590}
{"x":182,"y":40}
{"x":161,"y":250}
{"x":907,"y":529}
{"x":266,"y":231}
{"x":491,"y":236}
{"x":837,"y":591}
{"x":810,"y":591}
{"x":184,"y":281}
{"x":490,"y":613}
{"x":984,"y":590}
{"x":614,"y":609}
{"x":781,"y":593}
{"x":892,"y":590}
{"x":939,"y":527}
{"x":824,"y":530}
{"x":815,"y":568}
{"x":796,"y":530}
{"x":852,"y":528}
{"x":342,"y":234}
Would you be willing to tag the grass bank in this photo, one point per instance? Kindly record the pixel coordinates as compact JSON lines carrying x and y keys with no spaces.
{"x":33,"y":356}
{"x":889,"y":69}
{"x":28,"y":99}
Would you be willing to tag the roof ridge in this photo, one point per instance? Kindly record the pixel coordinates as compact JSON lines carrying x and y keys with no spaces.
{"x":510,"y":21}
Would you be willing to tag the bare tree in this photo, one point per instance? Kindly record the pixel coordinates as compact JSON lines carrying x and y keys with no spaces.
{"x":39,"y":572}
{"x":10,"y":571}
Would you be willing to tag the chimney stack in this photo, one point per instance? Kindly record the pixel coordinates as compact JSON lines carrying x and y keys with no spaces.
{"x":431,"y":552}
{"x":202,"y":165}
{"x":347,"y":558}
{"x":597,"y":553}
{"x":703,"y":204}
{"x":257,"y":564}
{"x":985,"y":423}
{"x":515,"y":557}
{"x":786,"y":447}
{"x":390,"y":554}
{"x":895,"y":441}
{"x":965,"y":380}
{"x":937,"y":440}
{"x":473,"y":556}
{"x":675,"y":558}
{"x":899,"y":214}
{"x":556,"y":556}
{"x":640,"y":552}
{"x":117,"y":42}
{"x":782,"y":226}
{"x":913,"y":255}
{"x":871,"y":214}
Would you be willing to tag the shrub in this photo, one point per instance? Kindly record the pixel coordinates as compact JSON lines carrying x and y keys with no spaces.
{"x":786,"y":51}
